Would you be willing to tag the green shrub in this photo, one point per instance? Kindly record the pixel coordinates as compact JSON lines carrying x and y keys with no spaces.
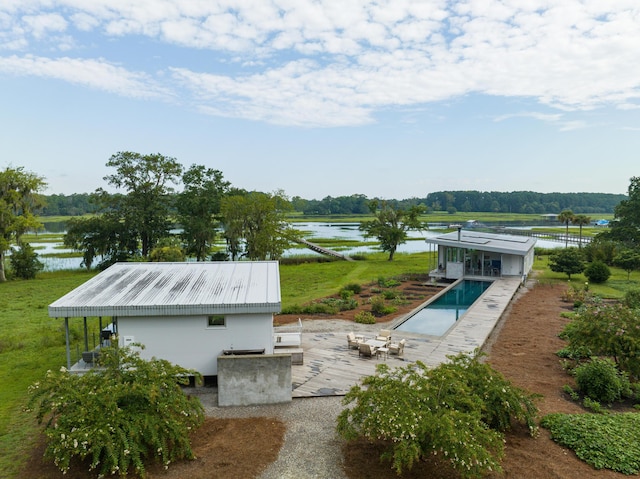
{"x":355,"y":287}
{"x":595,"y":406}
{"x":457,"y":410}
{"x":605,"y":441}
{"x":597,"y":272}
{"x":24,"y":262}
{"x":346,"y":294}
{"x":121,"y":417}
{"x":388,"y":282}
{"x":608,"y":330}
{"x":600,"y":380}
{"x":632,"y":298}
{"x":572,"y":394}
{"x":576,"y":353}
{"x":390,"y":294}
{"x":364,"y":317}
{"x":379,"y":307}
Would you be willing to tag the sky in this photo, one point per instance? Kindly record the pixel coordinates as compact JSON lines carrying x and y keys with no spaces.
{"x":390,"y":99}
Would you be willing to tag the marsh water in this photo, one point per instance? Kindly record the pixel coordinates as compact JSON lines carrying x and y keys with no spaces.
{"x":347,"y":232}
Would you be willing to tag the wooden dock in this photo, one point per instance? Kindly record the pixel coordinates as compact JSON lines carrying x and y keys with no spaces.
{"x":324,"y":251}
{"x":330,"y":368}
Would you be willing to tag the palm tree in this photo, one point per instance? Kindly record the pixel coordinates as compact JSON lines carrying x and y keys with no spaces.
{"x":581,"y":220}
{"x":566,"y":216}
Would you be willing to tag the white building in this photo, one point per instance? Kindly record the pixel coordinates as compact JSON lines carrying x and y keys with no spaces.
{"x":465,"y":253}
{"x":186,"y":313}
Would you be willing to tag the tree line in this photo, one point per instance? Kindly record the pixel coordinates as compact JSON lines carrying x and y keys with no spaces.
{"x":451,"y":201}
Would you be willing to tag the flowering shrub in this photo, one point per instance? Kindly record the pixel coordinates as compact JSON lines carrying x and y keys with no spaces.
{"x":610,"y":330}
{"x":120,"y":417}
{"x":457,"y":411}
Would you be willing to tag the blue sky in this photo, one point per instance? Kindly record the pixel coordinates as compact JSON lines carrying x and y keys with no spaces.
{"x":391,"y":99}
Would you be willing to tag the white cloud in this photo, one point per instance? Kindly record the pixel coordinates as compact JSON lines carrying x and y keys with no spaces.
{"x":40,"y":25}
{"x":97,"y":74}
{"x":346,"y":60}
{"x":556,"y":119}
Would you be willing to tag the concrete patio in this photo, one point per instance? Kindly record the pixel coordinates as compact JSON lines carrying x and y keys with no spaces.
{"x":330,"y":368}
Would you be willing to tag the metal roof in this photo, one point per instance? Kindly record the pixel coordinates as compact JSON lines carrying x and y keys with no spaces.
{"x":167,"y":289}
{"x":495,"y":243}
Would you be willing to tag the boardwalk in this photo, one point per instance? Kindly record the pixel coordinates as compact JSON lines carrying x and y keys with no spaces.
{"x":330,"y":368}
{"x":324,"y":251}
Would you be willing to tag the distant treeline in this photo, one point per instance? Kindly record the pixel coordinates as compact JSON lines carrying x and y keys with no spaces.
{"x":472,"y":201}
{"x":451,"y":201}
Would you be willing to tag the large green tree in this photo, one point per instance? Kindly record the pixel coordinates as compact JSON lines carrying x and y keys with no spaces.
{"x":569,"y":261}
{"x":626,"y":225}
{"x":104,"y":236}
{"x":199,"y":208}
{"x":255,"y":225}
{"x":390,"y":225}
{"x":19,"y":200}
{"x":146,"y":180}
{"x":628,"y":260}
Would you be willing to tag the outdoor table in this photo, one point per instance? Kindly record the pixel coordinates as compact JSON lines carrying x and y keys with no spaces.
{"x":382,"y":350}
{"x":376,"y":343}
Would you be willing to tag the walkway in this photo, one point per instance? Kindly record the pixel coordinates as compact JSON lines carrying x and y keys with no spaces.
{"x":330,"y":368}
{"x":324,"y":251}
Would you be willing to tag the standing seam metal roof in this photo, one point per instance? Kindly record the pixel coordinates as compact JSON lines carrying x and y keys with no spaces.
{"x":165,"y":289}
{"x":498,"y":243}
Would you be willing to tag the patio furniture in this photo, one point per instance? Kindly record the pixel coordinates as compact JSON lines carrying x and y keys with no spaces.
{"x":383,"y":351}
{"x":352,"y":341}
{"x":384,"y":335}
{"x":398,"y":348}
{"x":367,"y":350}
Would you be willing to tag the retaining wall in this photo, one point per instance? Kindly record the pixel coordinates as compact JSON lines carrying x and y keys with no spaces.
{"x":247,"y":380}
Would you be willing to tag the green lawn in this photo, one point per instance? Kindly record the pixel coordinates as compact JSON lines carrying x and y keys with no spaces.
{"x":615,"y":287}
{"x":30,"y":343}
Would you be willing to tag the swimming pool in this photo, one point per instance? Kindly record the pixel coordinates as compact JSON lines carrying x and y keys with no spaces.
{"x":437,"y":317}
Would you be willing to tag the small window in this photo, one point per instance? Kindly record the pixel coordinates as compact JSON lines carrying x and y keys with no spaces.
{"x":216,"y":321}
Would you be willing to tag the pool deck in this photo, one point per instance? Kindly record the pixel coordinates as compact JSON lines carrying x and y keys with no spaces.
{"x":330,"y":368}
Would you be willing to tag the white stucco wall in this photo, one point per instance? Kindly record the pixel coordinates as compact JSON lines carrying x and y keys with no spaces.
{"x":189,"y":342}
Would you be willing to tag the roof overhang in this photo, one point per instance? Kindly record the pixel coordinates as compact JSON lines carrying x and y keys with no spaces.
{"x":175,"y":289}
{"x":491,"y":242}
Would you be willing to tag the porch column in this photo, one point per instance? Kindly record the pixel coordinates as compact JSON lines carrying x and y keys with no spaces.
{"x":86,"y":335}
{"x":66,"y":335}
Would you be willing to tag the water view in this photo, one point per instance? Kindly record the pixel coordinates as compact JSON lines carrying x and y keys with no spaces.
{"x":437,"y":317}
{"x":348,"y":232}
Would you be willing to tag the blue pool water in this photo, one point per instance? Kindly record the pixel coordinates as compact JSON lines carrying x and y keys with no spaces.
{"x":438,"y":316}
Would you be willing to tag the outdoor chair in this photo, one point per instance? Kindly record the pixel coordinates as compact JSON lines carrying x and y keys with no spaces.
{"x":398,"y":348}
{"x":352,"y":341}
{"x":366,"y":350}
{"x":384,"y":335}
